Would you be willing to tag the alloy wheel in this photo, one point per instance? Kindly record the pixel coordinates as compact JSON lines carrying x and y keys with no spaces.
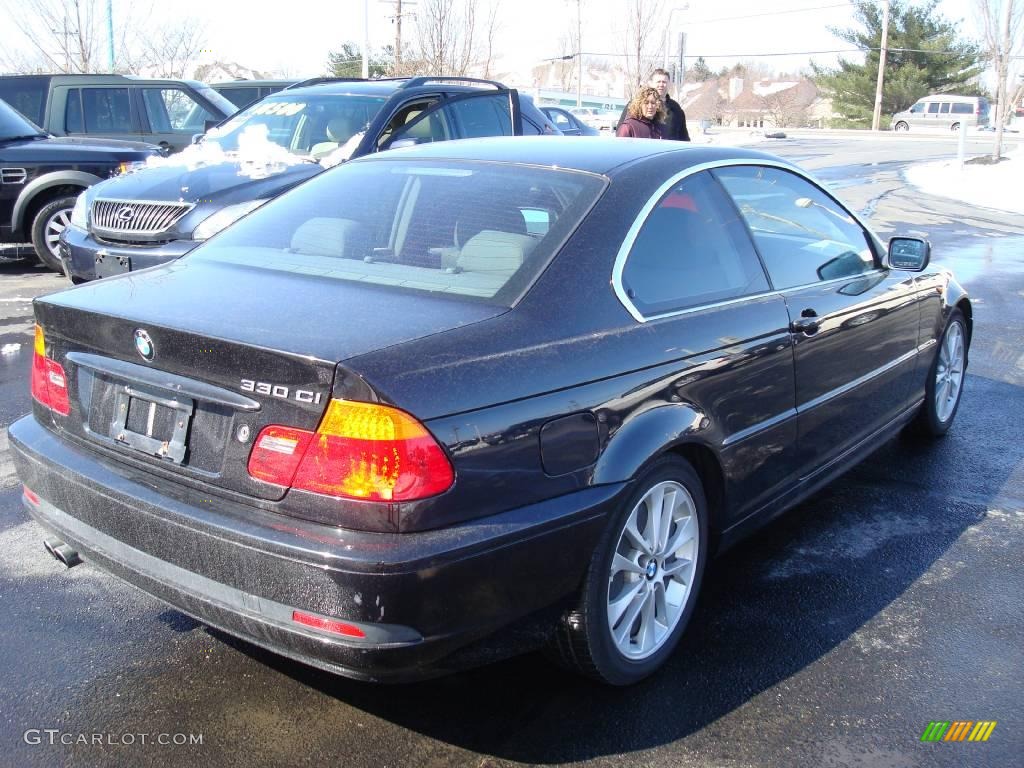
{"x":949,"y":372}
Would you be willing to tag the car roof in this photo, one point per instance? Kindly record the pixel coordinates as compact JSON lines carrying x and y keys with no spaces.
{"x":382,"y":87}
{"x":565,"y":152}
{"x":244,"y":82}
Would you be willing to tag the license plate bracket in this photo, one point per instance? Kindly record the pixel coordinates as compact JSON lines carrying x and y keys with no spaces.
{"x":111,"y":265}
{"x":151,"y":422}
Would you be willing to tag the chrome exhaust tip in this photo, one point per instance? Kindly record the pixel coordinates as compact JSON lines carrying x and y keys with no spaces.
{"x":61,"y":551}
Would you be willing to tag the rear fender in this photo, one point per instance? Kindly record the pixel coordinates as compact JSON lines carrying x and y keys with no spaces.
{"x":645,"y":436}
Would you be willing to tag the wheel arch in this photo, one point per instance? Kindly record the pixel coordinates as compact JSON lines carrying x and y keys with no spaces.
{"x":46,"y":187}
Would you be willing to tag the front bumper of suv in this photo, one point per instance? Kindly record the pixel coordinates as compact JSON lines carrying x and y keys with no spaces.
{"x":86,"y":258}
{"x":428,"y":602}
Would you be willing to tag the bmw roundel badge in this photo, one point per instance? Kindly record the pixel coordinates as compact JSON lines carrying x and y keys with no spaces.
{"x":144,"y":344}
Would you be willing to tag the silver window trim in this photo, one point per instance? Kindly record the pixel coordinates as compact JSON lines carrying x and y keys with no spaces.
{"x":645,"y":212}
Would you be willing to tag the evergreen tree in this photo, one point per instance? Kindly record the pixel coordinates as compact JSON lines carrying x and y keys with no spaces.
{"x":348,"y":62}
{"x":926,"y":55}
{"x":700,"y":71}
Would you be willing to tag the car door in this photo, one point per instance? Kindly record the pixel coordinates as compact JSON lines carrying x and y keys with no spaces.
{"x":854,"y":324}
{"x":101,"y":111}
{"x":471,"y":115}
{"x":693,"y":277}
{"x":171,"y":116}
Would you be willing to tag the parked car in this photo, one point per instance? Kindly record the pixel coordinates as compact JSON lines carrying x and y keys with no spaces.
{"x":945,"y":111}
{"x":162,"y":213}
{"x":40,"y":177}
{"x":242,"y":93}
{"x":164,"y":112}
{"x":602,"y":119}
{"x":385,"y":426}
{"x":568,"y":123}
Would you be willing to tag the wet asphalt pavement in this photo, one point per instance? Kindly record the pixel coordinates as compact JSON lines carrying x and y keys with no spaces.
{"x":831,"y":638}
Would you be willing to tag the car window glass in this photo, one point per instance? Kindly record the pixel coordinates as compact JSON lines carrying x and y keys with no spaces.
{"x":560,"y":119}
{"x":933,"y":108}
{"x":692,"y":249}
{"x":27,"y":95}
{"x":73,"y":112}
{"x":481,"y":231}
{"x":802,"y":234}
{"x":917,"y":109}
{"x":172,"y":109}
{"x":106,"y":110}
{"x":403,"y":116}
{"x":962,"y":109}
{"x":241,"y":97}
{"x":482,"y":115}
{"x":426,"y":126}
{"x":944,"y":108}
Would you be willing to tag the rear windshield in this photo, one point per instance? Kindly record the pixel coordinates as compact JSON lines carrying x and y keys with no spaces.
{"x":483,"y":231}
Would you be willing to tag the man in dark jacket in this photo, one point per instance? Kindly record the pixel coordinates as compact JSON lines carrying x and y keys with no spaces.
{"x":674,"y":127}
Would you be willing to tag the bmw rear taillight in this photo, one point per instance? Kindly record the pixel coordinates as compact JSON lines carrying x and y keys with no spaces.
{"x":360,"y":451}
{"x":49,"y":384}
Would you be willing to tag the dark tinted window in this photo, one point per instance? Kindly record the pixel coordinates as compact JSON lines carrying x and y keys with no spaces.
{"x":472,"y":230}
{"x":802,"y":234}
{"x":107,"y":110}
{"x":13,"y":123}
{"x":73,"y":112}
{"x":27,"y":95}
{"x":692,"y":249}
{"x":963,"y":109}
{"x":482,"y":116}
{"x":240,"y":97}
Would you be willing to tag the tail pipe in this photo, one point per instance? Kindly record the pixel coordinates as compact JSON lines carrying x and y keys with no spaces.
{"x":62,"y":552}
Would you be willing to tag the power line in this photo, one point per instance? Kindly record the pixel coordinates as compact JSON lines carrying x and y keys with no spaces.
{"x":695,"y":22}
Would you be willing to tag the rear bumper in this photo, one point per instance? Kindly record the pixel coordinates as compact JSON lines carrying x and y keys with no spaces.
{"x":419,"y":597}
{"x":80,"y":251}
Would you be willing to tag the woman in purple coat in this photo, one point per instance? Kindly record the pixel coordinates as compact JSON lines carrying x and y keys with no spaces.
{"x":646,"y":114}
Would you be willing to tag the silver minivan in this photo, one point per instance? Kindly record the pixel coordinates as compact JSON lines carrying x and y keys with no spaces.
{"x":944,"y":111}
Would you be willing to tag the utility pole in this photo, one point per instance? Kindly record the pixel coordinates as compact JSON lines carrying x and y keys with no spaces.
{"x":396,"y":19}
{"x":110,"y":37}
{"x":877,"y":115}
{"x":579,"y":52}
{"x":682,"y":63}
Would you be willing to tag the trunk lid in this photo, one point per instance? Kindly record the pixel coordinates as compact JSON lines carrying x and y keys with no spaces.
{"x":161,"y":379}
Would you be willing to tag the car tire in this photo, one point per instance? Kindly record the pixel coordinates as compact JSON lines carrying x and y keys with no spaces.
{"x":955,"y":127}
{"x":49,"y":222}
{"x":642,"y":582}
{"x":901,"y":126}
{"x":945,"y":384}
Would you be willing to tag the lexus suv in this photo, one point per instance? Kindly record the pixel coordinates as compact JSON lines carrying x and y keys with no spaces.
{"x":40,"y":177}
{"x":162,"y":212}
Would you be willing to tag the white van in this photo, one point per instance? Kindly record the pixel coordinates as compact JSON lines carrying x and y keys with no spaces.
{"x":944,"y":111}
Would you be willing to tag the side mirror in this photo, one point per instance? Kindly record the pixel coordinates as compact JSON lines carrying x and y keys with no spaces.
{"x":403,"y":143}
{"x":197,"y":137}
{"x":910,"y":254}
{"x":208,"y":124}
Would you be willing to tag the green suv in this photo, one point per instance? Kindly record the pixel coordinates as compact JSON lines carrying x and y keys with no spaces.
{"x":157,"y":111}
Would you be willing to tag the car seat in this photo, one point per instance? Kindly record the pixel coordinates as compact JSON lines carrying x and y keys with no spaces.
{"x":339,"y":130}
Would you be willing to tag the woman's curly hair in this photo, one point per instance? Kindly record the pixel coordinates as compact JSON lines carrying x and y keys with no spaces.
{"x":636,"y":104}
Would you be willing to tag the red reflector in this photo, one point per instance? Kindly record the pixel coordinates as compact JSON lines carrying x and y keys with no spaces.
{"x":277,"y":453}
{"x":49,"y":384}
{"x":327,"y":625}
{"x":28,"y":494}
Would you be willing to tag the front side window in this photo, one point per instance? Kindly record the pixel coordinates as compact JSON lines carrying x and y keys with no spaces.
{"x":692,"y":249}
{"x":174,"y":110}
{"x":802,"y":234}
{"x":917,"y":109}
{"x":478,"y":231}
{"x":107,"y":110}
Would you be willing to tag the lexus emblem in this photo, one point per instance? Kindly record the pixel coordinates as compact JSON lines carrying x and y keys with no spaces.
{"x":144,"y":344}
{"x":125,"y":214}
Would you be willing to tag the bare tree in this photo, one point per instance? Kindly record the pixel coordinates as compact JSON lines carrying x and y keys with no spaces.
{"x":493,"y":27}
{"x":71,"y":36}
{"x":1003,"y":44}
{"x":447,"y":38}
{"x":785,"y":109}
{"x":643,"y":36}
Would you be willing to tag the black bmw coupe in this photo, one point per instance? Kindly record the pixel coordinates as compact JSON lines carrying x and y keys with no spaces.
{"x":435,"y":396}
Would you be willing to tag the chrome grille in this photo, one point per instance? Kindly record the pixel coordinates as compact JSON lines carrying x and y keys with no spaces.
{"x":13,"y":175}
{"x":135,"y":217}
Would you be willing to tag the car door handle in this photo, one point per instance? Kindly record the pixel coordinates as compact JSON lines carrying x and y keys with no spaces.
{"x":807,"y":325}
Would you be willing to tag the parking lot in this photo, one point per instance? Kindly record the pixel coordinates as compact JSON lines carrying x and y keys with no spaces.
{"x":833,"y":637}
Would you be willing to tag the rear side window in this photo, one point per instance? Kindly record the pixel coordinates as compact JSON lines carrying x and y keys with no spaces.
{"x":241,"y":97}
{"x":944,"y":108}
{"x":933,"y":108}
{"x":802,"y":234}
{"x":73,"y":112}
{"x":963,"y":109}
{"x":107,"y":110}
{"x":692,"y":249}
{"x":482,"y":116}
{"x":27,"y":95}
{"x":481,"y":231}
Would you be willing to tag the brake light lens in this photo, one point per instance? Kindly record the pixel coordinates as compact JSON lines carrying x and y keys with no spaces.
{"x":49,"y":384}
{"x":360,"y":451}
{"x":327,"y":625}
